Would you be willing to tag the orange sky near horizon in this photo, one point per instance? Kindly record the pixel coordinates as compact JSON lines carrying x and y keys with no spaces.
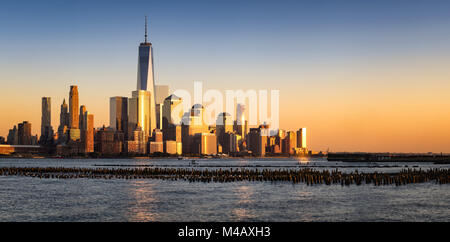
{"x":357,"y":108}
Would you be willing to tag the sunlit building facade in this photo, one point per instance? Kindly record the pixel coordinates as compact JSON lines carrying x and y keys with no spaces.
{"x":118,"y":114}
{"x":146,"y":86}
{"x":139,"y":112}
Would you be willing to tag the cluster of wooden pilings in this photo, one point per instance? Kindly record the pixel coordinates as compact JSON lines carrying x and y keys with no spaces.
{"x":302,"y":175}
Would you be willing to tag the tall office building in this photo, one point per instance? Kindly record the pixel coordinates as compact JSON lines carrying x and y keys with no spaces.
{"x":170,"y":121}
{"x":82,"y":122}
{"x":224,"y":123}
{"x":63,"y":123}
{"x":257,"y":141}
{"x":240,"y":125}
{"x":46,"y":126}
{"x":24,"y":133}
{"x":139,"y":113}
{"x":192,"y":125}
{"x":301,"y":138}
{"x":290,"y":143}
{"x":74,"y":119}
{"x":168,"y":115}
{"x":161,"y":92}
{"x":13,"y":136}
{"x":204,"y":144}
{"x":73,"y":108}
{"x":86,"y":130}
{"x":118,"y":114}
{"x":224,"y":126}
{"x":145,"y":79}
{"x":64,"y":114}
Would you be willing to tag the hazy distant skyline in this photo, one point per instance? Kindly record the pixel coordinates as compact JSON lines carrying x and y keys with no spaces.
{"x":360,"y":75}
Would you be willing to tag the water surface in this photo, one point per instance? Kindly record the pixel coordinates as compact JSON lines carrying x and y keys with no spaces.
{"x":34,"y":199}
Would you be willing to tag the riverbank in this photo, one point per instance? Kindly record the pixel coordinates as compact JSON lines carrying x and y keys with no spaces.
{"x":389,"y":157}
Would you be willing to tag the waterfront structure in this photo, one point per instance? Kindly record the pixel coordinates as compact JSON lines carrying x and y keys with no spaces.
{"x":257,"y":140}
{"x":118,"y":114}
{"x":137,"y":145}
{"x":275,"y":144}
{"x":24,"y":133}
{"x":170,"y":147}
{"x":46,"y":125}
{"x":204,"y":144}
{"x":157,"y":135}
{"x":108,"y":142}
{"x":230,"y":142}
{"x":290,"y":143}
{"x":145,"y":79}
{"x":23,"y":149}
{"x":156,"y":145}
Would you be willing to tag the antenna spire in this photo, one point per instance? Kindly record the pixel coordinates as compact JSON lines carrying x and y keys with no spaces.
{"x":146,"y":29}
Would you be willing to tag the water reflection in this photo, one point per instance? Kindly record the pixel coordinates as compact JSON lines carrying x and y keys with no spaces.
{"x":303,"y":160}
{"x":143,"y":205}
{"x":244,"y":195}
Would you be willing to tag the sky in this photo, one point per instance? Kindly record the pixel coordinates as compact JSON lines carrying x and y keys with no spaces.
{"x":360,"y":75}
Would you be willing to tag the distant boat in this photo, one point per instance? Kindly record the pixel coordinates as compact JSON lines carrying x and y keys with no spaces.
{"x":180,"y":157}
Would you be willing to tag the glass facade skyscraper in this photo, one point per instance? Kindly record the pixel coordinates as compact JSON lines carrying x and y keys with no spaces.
{"x":145,"y":80}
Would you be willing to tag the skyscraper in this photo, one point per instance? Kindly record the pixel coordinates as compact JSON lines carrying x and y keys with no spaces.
{"x":24,"y":133}
{"x":118,"y":114}
{"x":168,"y":113}
{"x":240,"y":123}
{"x":74,"y":131}
{"x":64,"y":114}
{"x":46,"y":126}
{"x":82,"y":122}
{"x":290,"y":142}
{"x":257,"y":141}
{"x":139,"y":115}
{"x":145,"y":77}
{"x":63,"y":123}
{"x":86,"y":130}
{"x":192,"y":125}
{"x":301,"y":138}
{"x":73,"y":108}
{"x":13,"y":136}
{"x":171,"y":119}
{"x":161,"y":92}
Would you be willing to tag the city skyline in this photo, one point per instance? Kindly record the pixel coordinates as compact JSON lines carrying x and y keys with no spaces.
{"x":408,"y":118}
